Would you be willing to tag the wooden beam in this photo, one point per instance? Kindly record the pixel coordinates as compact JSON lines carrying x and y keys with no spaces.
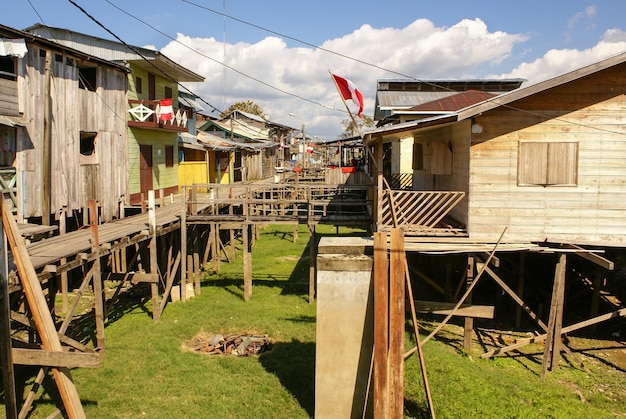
{"x":63,"y":359}
{"x":465,"y":310}
{"x":154,"y":264}
{"x":591,"y":256}
{"x":247,"y":262}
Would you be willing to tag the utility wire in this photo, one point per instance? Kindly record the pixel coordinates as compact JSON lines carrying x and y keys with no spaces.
{"x":222,"y":63}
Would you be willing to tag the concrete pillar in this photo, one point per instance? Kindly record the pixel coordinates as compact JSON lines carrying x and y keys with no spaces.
{"x":344,"y":334}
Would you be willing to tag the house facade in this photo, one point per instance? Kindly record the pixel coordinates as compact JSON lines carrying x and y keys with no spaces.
{"x":544,"y":162}
{"x":62,"y":129}
{"x":154,"y":117}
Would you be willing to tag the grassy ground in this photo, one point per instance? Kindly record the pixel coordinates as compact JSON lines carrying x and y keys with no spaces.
{"x":146,"y":373}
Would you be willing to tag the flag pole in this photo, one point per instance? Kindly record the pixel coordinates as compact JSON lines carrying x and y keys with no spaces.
{"x":358,"y":129}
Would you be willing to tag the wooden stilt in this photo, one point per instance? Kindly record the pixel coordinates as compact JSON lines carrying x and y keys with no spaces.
{"x":553,"y":334}
{"x":381,"y":326}
{"x":196,"y":273}
{"x":469,"y":321}
{"x":183,"y":247}
{"x":312,"y":253}
{"x":154,"y":263}
{"x":520,"y":289}
{"x":396,"y":324}
{"x":247,"y":263}
{"x":96,"y":277}
{"x":62,"y":261}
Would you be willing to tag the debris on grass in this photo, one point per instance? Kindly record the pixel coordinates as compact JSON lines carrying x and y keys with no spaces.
{"x":238,"y":344}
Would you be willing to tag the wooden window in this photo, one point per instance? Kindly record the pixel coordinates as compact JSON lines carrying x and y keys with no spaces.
{"x":418,"y":156}
{"x":547,"y":163}
{"x":88,"y":153}
{"x":138,"y":85}
{"x":169,"y":156}
{"x":7,"y":68}
{"x":168,"y":92}
{"x":87,"y":78}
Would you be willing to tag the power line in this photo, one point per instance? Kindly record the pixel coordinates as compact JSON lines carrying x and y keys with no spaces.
{"x":222,"y":63}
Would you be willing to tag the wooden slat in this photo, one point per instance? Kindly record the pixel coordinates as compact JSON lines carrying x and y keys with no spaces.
{"x":64,"y":359}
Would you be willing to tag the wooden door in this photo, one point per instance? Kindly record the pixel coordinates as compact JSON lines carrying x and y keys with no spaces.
{"x":145,"y":167}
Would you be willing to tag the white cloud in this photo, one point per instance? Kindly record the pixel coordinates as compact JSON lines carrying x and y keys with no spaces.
{"x":420,"y":50}
{"x":559,"y":61}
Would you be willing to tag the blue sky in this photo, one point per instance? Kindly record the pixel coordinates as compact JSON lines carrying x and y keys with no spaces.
{"x":530,"y":39}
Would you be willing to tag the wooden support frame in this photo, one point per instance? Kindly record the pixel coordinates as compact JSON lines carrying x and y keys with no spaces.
{"x":40,"y":313}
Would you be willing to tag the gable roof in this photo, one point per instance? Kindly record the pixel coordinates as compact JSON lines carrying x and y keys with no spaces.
{"x":12,"y":33}
{"x":402,"y":94}
{"x":500,"y":100}
{"x":145,"y":58}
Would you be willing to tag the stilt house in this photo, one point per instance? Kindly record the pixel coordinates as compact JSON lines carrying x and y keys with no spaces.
{"x":62,"y":129}
{"x":154,"y":117}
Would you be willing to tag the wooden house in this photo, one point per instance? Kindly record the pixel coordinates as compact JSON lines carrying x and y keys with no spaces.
{"x":258,"y":139}
{"x":62,"y":129}
{"x":154,"y":117}
{"x":545,"y":161}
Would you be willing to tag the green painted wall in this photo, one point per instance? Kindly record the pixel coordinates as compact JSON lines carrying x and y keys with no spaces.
{"x":162,"y":177}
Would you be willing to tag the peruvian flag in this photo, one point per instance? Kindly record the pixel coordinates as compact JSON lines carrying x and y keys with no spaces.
{"x":309,"y":148}
{"x":348,"y":90}
{"x":166,"y":109}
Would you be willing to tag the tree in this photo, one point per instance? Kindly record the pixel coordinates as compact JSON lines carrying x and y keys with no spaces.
{"x":248,"y":106}
{"x":350,"y":130}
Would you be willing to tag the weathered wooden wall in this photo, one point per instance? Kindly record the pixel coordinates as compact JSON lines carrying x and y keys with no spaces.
{"x":71,"y":110}
{"x":590,"y":111}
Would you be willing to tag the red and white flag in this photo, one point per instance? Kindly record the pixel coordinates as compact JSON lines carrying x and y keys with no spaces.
{"x":309,"y":148}
{"x":348,"y":90}
{"x":165,"y":109}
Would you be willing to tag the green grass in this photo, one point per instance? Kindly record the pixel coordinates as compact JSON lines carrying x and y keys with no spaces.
{"x":146,"y":373}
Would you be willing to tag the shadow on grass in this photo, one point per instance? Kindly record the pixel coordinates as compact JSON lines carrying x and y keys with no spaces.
{"x":294,"y":365}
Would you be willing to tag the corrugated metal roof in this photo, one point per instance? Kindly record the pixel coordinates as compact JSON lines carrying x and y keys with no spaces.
{"x":453,"y":102}
{"x":115,"y":51}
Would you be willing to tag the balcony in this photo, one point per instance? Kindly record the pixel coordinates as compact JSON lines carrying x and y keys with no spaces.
{"x":148,"y":114}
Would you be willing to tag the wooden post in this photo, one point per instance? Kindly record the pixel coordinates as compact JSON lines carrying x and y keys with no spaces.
{"x":62,"y":261}
{"x":396,"y":324}
{"x":469,"y":321}
{"x":6,"y":350}
{"x":97,"y":278}
{"x":247,"y":263}
{"x":196,"y":273}
{"x":46,"y":143}
{"x":520,"y":289}
{"x":553,"y":333}
{"x":312,"y":253}
{"x":183,"y":247}
{"x":40,"y":314}
{"x":381,"y":326}
{"x":154,"y":264}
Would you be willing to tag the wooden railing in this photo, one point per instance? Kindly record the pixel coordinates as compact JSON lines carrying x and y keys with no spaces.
{"x":416,"y":211}
{"x":290,"y":203}
{"x":401,"y":181}
{"x":8,"y":181}
{"x":145,"y":114}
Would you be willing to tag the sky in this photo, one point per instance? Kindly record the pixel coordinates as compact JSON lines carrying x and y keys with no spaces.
{"x":279,"y":53}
